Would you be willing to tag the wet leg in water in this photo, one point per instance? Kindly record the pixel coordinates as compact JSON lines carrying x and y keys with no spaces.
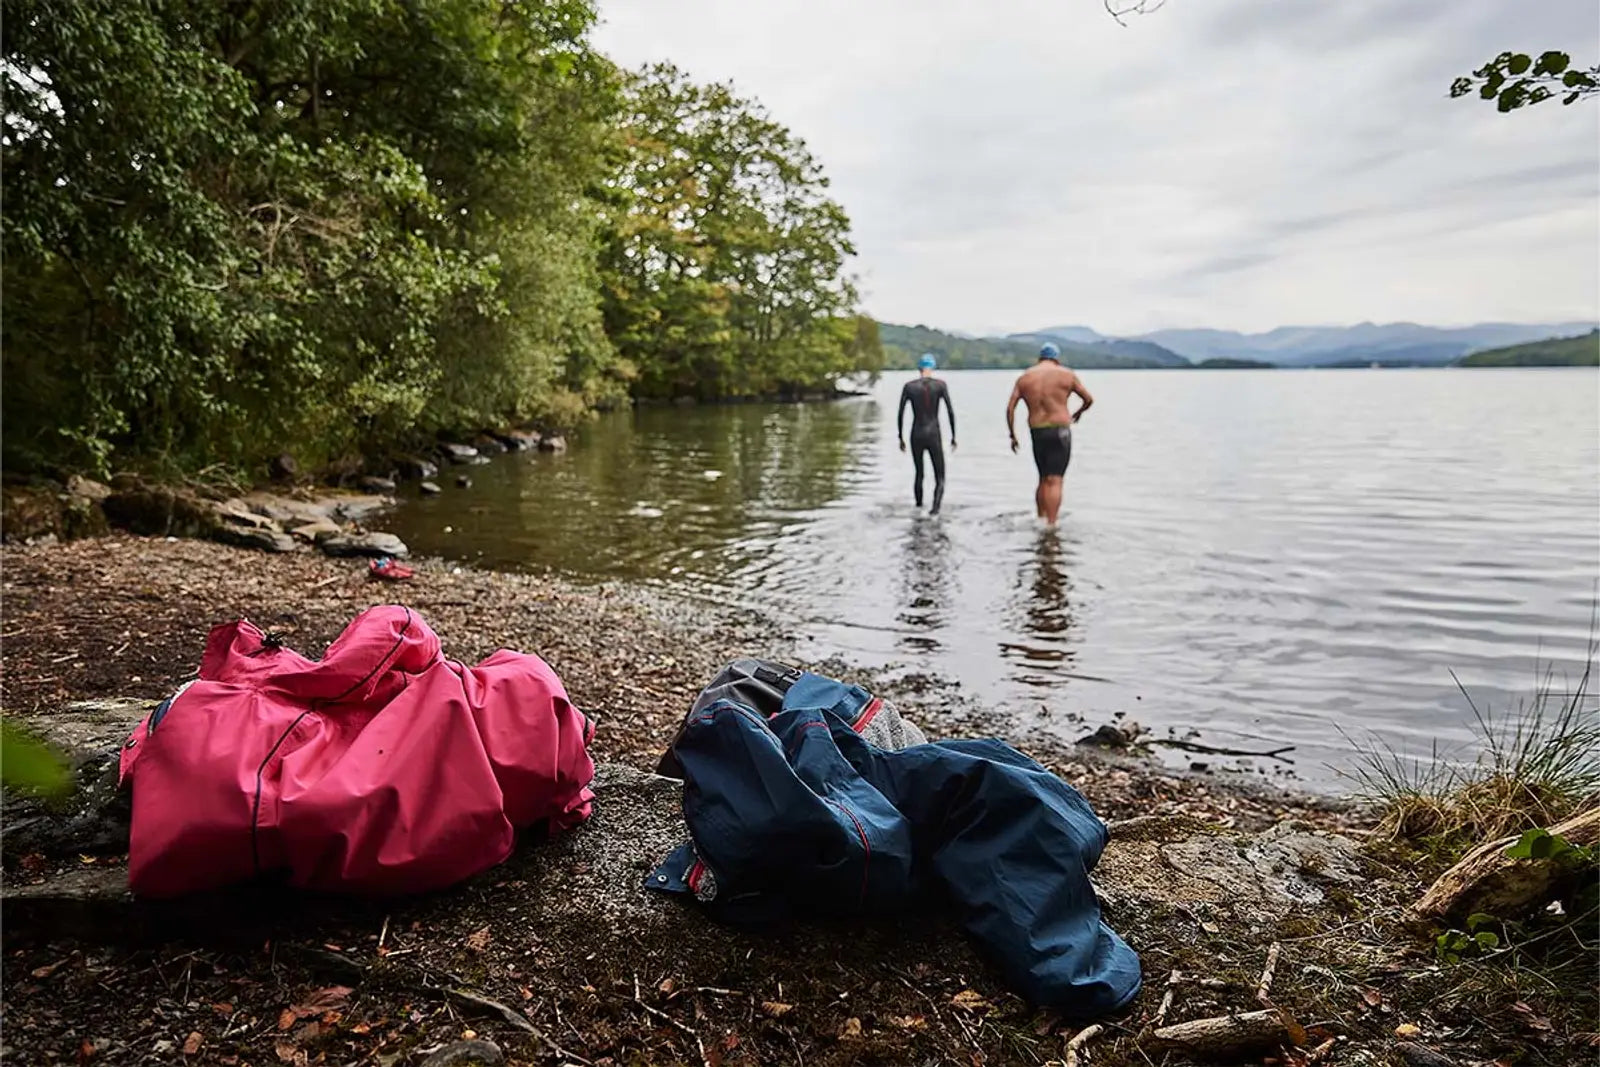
{"x":1048,"y":498}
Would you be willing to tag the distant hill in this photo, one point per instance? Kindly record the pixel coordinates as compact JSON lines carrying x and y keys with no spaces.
{"x":1078,"y":339}
{"x":1391,"y":344}
{"x":1581,"y":351}
{"x":1223,"y":363}
{"x":903,"y":344}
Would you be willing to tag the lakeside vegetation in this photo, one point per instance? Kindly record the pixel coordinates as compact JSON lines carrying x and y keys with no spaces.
{"x":902,"y":345}
{"x":340,"y":228}
{"x":1582,"y":351}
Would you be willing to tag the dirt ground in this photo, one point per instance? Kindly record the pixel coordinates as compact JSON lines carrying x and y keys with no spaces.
{"x":300,"y":981}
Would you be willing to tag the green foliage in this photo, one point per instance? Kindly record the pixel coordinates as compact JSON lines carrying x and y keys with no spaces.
{"x":1453,"y":946}
{"x":722,"y":257}
{"x":1515,"y":79}
{"x":1540,"y":844}
{"x":1581,"y":351}
{"x":28,"y":765}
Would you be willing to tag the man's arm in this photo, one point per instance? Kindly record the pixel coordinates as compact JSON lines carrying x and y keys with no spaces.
{"x":1086,"y":401}
{"x":1011,"y":413}
{"x":900,"y":418}
{"x":949,"y":410}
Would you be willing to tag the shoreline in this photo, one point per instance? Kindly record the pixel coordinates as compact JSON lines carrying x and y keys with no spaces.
{"x":121,"y":615}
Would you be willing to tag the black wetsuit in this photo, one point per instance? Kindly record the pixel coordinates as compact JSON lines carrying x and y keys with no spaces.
{"x":1052,"y":449}
{"x":923,"y":395}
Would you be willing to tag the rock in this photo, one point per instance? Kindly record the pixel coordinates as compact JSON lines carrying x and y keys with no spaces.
{"x":1418,"y":1055}
{"x":1113,"y":736}
{"x":371,"y":483}
{"x":268,"y":539}
{"x":367,"y":544}
{"x":489,"y":445}
{"x":456,"y":453}
{"x":416,"y":467}
{"x":517,"y":440}
{"x":88,"y":488}
{"x":464,"y":481}
{"x":430,"y":489}
{"x":160,"y":511}
{"x":283,"y":468}
{"x":475,"y":1053}
{"x":30,"y":513}
{"x":313,"y":532}
{"x":355,"y":507}
{"x":235,"y":513}
{"x":553,"y":444}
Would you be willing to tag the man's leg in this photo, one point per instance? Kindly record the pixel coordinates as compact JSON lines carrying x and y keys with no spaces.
{"x":936,"y":455}
{"x":1050,"y":499}
{"x":916,"y":458}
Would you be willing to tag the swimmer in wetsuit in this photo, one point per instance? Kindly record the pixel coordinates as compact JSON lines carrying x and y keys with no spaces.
{"x":1046,"y":388}
{"x":923,"y":396}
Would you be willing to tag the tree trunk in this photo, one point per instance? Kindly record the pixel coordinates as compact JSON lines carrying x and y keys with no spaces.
{"x":1487,"y":880}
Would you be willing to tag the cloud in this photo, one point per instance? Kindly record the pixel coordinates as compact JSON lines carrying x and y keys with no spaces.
{"x":1230,"y":163}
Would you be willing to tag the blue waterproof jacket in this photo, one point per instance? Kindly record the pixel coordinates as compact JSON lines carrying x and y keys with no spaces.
{"x":794,"y":813}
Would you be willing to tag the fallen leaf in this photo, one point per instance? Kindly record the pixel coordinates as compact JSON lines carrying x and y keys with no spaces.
{"x":192,"y":1045}
{"x":730,"y":1042}
{"x":909,"y":1022}
{"x":1539,"y":1022}
{"x":286,"y":1019}
{"x":287,"y":1053}
{"x":1372,"y":997}
{"x":1407,"y":1030}
{"x":774,"y":1009}
{"x":322,"y":1002}
{"x":361,"y":1028}
{"x":222,"y":1008}
{"x":851,"y":1030}
{"x":970,"y":1000}
{"x":527,"y":994}
{"x":48,"y":969}
{"x":478,"y":940}
{"x":667,"y":986}
{"x":86,"y":1051}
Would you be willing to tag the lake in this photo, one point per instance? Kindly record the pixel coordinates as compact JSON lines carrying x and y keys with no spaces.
{"x":1269,"y":558}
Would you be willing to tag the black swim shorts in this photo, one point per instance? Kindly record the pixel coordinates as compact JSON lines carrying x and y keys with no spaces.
{"x":1052,"y":449}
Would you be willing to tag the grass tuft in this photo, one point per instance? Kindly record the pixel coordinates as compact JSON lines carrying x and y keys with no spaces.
{"x":1536,"y":765}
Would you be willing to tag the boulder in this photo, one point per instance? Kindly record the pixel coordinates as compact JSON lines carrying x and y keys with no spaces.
{"x":430,"y":489}
{"x":365,"y":544}
{"x":78,"y":485}
{"x":313,"y":532}
{"x":464,"y":481}
{"x":416,"y":467}
{"x":457,"y":453}
{"x":553,"y":443}
{"x":372,"y":483}
{"x":265,"y":538}
{"x":489,"y":445}
{"x":159,"y":510}
{"x":283,"y":468}
{"x":517,"y":440}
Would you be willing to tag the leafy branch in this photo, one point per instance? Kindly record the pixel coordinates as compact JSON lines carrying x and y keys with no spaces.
{"x":1514,"y":79}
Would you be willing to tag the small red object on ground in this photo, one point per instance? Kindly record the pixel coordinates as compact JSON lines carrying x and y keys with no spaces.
{"x":389,"y":570}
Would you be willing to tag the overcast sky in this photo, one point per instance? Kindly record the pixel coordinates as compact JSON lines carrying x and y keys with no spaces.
{"x":1241,"y":164}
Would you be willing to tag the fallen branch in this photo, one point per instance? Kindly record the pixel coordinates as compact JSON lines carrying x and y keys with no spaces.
{"x":669,"y":1020}
{"x":1210,"y":750}
{"x":1264,"y":987}
{"x":1229,"y":1035}
{"x":1079,"y":1039}
{"x":1166,"y":998}
{"x":1487,"y":880}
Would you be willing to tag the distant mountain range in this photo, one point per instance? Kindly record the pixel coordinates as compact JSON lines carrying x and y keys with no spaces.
{"x":1396,"y":343}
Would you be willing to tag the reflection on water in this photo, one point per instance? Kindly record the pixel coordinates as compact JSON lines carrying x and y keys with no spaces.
{"x":1263,"y":556}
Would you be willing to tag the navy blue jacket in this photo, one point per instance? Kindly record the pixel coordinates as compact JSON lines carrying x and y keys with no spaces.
{"x":796,"y":814}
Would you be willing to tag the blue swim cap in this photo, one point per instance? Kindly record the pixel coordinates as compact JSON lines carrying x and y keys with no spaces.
{"x":927,"y":361}
{"x":1050,"y":351}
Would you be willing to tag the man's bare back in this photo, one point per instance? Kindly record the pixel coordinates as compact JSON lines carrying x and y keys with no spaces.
{"x":1047,"y":388}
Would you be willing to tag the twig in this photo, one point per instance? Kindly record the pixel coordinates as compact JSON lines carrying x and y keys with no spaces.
{"x":1078,"y":1041}
{"x":1212,"y":750}
{"x":327,"y":581}
{"x":516,"y":1019}
{"x":717,"y":992}
{"x":1264,"y":988}
{"x":669,"y":1020}
{"x":1316,"y":1054}
{"x":1166,"y":998}
{"x":383,"y":934}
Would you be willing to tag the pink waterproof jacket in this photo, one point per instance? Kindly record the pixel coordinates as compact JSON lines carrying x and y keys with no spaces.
{"x":384,"y":768}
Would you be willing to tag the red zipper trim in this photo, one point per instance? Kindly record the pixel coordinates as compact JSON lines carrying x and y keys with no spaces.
{"x":874,"y":706}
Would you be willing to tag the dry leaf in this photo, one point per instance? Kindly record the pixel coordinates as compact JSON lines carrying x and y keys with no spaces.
{"x":286,"y":1019}
{"x":1407,"y":1030}
{"x":909,"y":1022}
{"x":322,"y":1002}
{"x":192,"y":1045}
{"x":86,"y":1051}
{"x":970,"y":1000}
{"x":48,"y":969}
{"x":287,"y":1053}
{"x":527,"y":994}
{"x":222,"y":1008}
{"x":667,"y":986}
{"x":851,"y":1030}
{"x":1372,"y":997}
{"x":478,"y":940}
{"x":775,"y":1009}
{"x":730,"y":1042}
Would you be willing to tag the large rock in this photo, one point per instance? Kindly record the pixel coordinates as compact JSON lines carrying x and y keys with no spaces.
{"x":372,"y":483}
{"x":457,"y":453}
{"x":267,"y":539}
{"x":160,"y":510}
{"x":488,"y":444}
{"x":416,"y":467}
{"x":366,"y":544}
{"x":553,"y":443}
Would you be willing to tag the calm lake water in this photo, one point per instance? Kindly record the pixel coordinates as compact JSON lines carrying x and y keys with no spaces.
{"x":1267,"y":557}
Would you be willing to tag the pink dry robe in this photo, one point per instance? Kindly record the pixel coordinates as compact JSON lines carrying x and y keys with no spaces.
{"x":383,"y":768}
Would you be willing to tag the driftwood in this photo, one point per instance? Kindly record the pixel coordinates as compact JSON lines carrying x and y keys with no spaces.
{"x":1489,"y":881}
{"x":1229,"y":1035}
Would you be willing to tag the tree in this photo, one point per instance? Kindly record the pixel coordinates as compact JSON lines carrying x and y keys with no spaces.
{"x":1514,"y":80}
{"x":723,"y":258}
